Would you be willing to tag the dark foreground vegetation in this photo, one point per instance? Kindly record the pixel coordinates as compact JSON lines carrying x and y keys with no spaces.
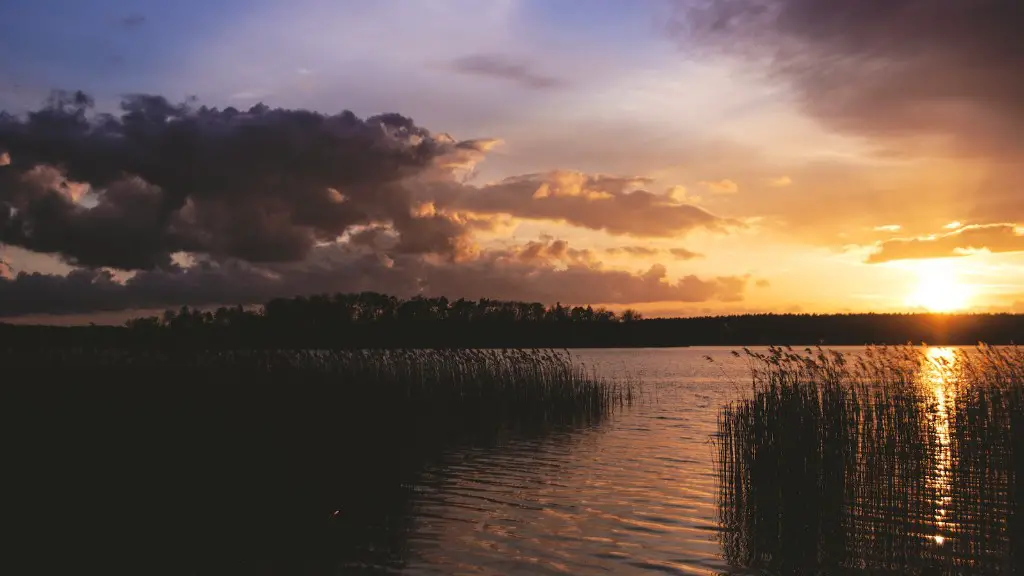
{"x":894,"y":462}
{"x":371,"y":320}
{"x":189,"y":462}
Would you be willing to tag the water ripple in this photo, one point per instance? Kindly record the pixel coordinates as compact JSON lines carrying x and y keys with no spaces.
{"x":634,"y":495}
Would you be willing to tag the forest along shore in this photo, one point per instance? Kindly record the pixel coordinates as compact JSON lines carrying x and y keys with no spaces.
{"x":372,"y":320}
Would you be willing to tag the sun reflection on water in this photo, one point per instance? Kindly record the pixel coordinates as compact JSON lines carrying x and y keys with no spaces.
{"x":938,"y":379}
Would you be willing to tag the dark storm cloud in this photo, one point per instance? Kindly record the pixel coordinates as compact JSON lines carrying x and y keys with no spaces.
{"x":261,"y":185}
{"x":266,"y":185}
{"x":259,"y":199}
{"x":962,"y":242}
{"x":503,"y":68}
{"x":889,"y":68}
{"x":502,"y":274}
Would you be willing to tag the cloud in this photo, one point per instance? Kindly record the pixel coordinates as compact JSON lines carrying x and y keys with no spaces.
{"x":641,"y":251}
{"x":762,"y":283}
{"x":953,"y":225}
{"x":680,"y":195}
{"x":611,"y":204}
{"x":684,"y":254}
{"x":549,"y":251}
{"x":780,"y":182}
{"x":504,"y":68}
{"x":501,"y":274}
{"x":887,"y":228}
{"x":260,"y":185}
{"x":647,"y":252}
{"x":965,"y":241}
{"x":893,"y":69}
{"x":721,"y":186}
{"x":220,"y":206}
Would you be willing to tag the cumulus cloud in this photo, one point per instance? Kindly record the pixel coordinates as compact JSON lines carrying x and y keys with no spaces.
{"x":267,"y":185}
{"x":503,"y":67}
{"x":550,"y":251}
{"x":209,"y":206}
{"x":262,"y":185}
{"x":502,"y":274}
{"x":680,"y":195}
{"x":962,"y":242}
{"x":614,"y":205}
{"x":889,"y":69}
{"x":725,"y":186}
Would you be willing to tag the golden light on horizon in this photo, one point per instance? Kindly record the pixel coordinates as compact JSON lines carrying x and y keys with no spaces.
{"x":939,"y":288}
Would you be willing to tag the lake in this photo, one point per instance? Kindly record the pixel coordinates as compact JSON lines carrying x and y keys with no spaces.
{"x":642,"y":493}
{"x":635,"y":493}
{"x":488,"y":462}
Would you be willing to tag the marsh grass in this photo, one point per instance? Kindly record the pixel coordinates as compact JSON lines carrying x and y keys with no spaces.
{"x":896,"y":459}
{"x":257,"y":462}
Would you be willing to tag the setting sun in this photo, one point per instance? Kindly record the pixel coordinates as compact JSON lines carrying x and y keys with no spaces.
{"x":938,"y":288}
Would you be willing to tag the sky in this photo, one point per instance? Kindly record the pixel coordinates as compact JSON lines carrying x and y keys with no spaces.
{"x":679,"y":157}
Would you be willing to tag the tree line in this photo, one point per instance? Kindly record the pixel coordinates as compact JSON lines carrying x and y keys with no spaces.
{"x":339,"y":310}
{"x":374,"y":320}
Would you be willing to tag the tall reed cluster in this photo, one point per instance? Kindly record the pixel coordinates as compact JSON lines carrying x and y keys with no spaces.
{"x":186,"y":461}
{"x":892,"y":459}
{"x":520,"y":383}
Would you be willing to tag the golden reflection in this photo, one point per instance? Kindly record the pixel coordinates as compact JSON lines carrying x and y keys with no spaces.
{"x":937,"y":378}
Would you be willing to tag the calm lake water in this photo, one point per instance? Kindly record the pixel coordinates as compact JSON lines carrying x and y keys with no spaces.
{"x":640,"y":492}
{"x":632,"y":495}
{"x":644,"y":492}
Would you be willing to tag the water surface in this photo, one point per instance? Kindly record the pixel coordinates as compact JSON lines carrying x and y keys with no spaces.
{"x":646,"y":492}
{"x":636,"y":493}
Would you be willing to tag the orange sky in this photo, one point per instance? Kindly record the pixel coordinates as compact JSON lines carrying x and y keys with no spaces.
{"x":645,"y":159}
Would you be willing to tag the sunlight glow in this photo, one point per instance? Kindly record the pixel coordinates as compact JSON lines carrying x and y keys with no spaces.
{"x":938,"y":288}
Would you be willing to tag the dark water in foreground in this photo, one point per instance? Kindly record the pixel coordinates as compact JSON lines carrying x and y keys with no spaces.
{"x":646,"y":493}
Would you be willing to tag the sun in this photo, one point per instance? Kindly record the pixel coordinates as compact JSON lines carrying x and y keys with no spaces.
{"x":938,"y":288}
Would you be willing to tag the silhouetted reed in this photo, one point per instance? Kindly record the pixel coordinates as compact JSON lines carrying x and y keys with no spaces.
{"x":897,"y":459}
{"x":191,"y":462}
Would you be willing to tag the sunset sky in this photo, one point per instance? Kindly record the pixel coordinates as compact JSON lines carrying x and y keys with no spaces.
{"x":680,"y":157}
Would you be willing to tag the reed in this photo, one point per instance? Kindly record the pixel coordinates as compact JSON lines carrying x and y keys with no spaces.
{"x":521,"y":384}
{"x":256,"y":461}
{"x":896,"y":458}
